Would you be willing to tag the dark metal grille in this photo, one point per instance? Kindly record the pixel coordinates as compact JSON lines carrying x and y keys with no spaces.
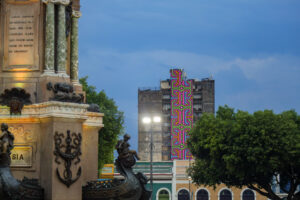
{"x":248,"y":195}
{"x":225,"y":195}
{"x":183,"y":195}
{"x":202,"y":195}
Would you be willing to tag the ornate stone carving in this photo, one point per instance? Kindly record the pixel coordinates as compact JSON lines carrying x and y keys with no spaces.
{"x":22,"y":135}
{"x":64,"y":92}
{"x":15,"y":98}
{"x":76,"y":14}
{"x":72,"y":151}
{"x":131,"y":188}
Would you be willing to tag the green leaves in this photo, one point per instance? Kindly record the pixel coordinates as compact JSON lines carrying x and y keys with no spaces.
{"x":113,"y":122}
{"x":238,"y":148}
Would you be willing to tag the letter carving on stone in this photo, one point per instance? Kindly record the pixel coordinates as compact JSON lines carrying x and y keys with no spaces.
{"x":68,"y":151}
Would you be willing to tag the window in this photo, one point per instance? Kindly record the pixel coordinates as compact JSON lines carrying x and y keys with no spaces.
{"x":166,"y":96}
{"x":248,"y":195}
{"x":197,"y":96}
{"x":163,"y":195}
{"x":202,"y":195}
{"x":183,"y":195}
{"x":225,"y":195}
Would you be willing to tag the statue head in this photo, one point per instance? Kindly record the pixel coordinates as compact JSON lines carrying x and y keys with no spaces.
{"x":4,"y":127}
{"x":126,"y":137}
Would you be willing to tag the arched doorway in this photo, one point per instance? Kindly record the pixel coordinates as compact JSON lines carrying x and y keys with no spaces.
{"x":225,"y":195}
{"x":183,"y":194}
{"x":202,"y":195}
{"x":163,"y":194}
{"x":248,"y":195}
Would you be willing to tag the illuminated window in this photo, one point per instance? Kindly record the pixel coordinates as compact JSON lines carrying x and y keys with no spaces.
{"x":163,"y":195}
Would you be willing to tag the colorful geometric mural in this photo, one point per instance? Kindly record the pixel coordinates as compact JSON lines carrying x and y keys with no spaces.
{"x":181,"y":114}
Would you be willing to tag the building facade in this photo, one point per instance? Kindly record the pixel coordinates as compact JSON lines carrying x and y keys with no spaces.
{"x":180,"y":102}
{"x":171,"y":182}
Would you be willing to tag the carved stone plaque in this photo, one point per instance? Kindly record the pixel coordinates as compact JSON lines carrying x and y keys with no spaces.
{"x":21,"y":35}
{"x":21,"y":156}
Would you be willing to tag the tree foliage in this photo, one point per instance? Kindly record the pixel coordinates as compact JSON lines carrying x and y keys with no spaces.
{"x":243,"y":149}
{"x":113,"y":122}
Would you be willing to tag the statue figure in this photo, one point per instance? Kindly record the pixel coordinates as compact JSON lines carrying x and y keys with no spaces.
{"x":132,"y":187}
{"x":126,"y":156}
{"x":15,"y":98}
{"x":10,"y":188}
{"x":64,"y":92}
{"x":6,"y":139}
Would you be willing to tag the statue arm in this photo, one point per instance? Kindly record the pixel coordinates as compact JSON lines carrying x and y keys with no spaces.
{"x":2,"y":134}
{"x":118,"y":145}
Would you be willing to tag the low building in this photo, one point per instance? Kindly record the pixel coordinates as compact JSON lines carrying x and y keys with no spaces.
{"x":171,"y":182}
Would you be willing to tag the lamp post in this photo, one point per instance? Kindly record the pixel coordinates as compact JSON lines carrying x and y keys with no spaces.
{"x":190,"y":193}
{"x":150,"y":121}
{"x":190,"y":178}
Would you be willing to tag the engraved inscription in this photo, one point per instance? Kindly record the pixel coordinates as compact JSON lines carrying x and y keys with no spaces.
{"x":21,"y":36}
{"x":21,"y":156}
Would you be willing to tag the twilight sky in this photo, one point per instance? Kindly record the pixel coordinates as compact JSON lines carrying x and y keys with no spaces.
{"x":250,"y":47}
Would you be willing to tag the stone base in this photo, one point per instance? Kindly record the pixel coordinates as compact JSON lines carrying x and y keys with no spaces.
{"x":36,"y":128}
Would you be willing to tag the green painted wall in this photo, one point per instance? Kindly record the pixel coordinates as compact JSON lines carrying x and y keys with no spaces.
{"x":157,"y":186}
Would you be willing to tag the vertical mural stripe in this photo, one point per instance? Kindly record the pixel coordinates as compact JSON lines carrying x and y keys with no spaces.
{"x":181,"y":114}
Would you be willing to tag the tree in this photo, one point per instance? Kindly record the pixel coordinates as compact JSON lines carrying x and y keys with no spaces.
{"x":253,"y":150}
{"x":113,"y":122}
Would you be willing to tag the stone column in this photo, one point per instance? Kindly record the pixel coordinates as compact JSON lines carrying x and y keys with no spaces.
{"x":50,"y":40}
{"x":62,"y":40}
{"x":74,"y":47}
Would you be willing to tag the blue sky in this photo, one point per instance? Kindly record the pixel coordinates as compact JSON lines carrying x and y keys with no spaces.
{"x":250,"y":47}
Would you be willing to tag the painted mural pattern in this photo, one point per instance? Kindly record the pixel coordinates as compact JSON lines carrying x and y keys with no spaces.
{"x":181,"y":114}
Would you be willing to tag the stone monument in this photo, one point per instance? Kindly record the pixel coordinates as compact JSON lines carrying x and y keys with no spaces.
{"x":41,"y":99}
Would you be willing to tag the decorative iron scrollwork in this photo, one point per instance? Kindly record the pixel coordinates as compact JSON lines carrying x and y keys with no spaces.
{"x":68,"y":152}
{"x":15,"y":99}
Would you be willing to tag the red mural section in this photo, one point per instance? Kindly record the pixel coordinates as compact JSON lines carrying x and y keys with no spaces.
{"x":181,"y":114}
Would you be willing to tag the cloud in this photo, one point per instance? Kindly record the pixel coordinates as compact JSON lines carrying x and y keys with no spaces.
{"x":261,"y":69}
{"x":263,"y":82}
{"x":121,"y":74}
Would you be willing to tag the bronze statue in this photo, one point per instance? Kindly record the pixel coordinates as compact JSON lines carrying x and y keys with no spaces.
{"x":124,"y":151}
{"x":15,"y":99}
{"x":6,"y":139}
{"x":10,"y":188}
{"x":64,"y":92}
{"x":132,"y":187}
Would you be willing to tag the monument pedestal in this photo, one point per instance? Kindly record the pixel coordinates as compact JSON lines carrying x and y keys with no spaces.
{"x":43,"y":129}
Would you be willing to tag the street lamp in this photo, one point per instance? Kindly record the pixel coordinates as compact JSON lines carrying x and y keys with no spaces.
{"x":150,"y":121}
{"x":190,"y":193}
{"x":190,"y":178}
